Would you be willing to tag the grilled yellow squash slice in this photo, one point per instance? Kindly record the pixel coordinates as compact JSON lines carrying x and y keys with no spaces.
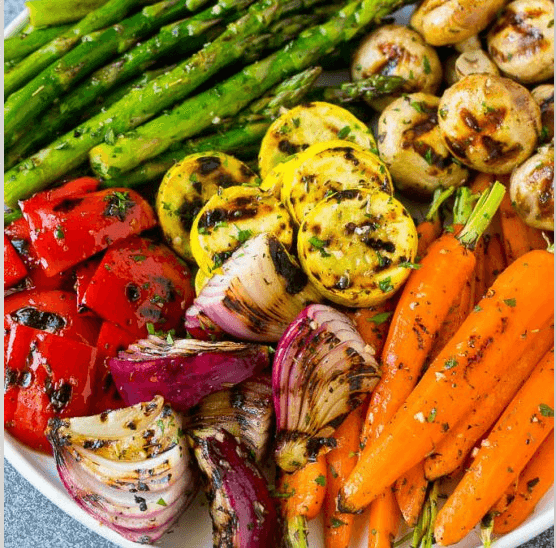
{"x":187,"y":186}
{"x":230,"y":218}
{"x":307,"y":124}
{"x":330,"y":171}
{"x":357,"y":246}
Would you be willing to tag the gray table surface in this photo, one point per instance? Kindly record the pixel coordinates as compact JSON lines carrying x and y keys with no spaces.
{"x":31,"y":520}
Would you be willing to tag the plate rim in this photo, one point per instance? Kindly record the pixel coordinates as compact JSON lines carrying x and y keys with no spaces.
{"x":60,"y":498}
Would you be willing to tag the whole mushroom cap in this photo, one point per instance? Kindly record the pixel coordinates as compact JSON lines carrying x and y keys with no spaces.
{"x":489,"y":123}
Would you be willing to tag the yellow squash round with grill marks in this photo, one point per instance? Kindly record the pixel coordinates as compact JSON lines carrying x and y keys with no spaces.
{"x":330,"y":171}
{"x":307,"y":124}
{"x":357,"y":246}
{"x":187,"y":186}
{"x":230,"y":218}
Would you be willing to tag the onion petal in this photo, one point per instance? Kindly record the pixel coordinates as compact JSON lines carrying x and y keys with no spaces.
{"x":259,"y":293}
{"x":130,"y":468}
{"x":322,"y":370}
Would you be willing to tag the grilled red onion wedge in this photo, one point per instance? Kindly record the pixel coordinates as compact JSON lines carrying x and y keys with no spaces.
{"x":322,"y":370}
{"x":261,"y":290}
{"x":131,"y":468}
{"x":242,"y":510}
{"x":183,"y":370}
{"x":244,"y":410}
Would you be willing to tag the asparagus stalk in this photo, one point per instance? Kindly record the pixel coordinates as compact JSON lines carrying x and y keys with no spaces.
{"x":30,"y":137}
{"x":36,"y":172}
{"x":37,"y":95}
{"x":108,"y":14}
{"x":25,"y":43}
{"x":230,"y":96}
{"x":179,"y":35}
{"x":44,"y":13}
{"x":373,"y":86}
{"x":248,"y":130}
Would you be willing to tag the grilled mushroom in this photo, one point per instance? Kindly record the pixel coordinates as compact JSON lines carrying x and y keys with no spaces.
{"x":410,"y":144}
{"x":394,"y":50}
{"x":490,"y":123}
{"x":469,"y":62}
{"x":469,"y":44}
{"x":544,"y":97}
{"x":521,"y":42}
{"x":443,"y":22}
{"x":532,"y":189}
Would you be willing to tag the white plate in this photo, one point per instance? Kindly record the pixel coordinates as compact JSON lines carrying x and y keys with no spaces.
{"x":194,"y":527}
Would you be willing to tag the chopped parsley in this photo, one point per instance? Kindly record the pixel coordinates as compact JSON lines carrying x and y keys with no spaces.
{"x":386,"y":285}
{"x":344,"y":132}
{"x":426,"y":65}
{"x":546,"y":410}
{"x":59,"y":233}
{"x":320,"y":480}
{"x":450,"y":364}
{"x":380,"y":318}
{"x":510,"y":302}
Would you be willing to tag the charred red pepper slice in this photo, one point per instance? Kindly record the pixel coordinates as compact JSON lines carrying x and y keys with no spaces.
{"x":18,"y":234}
{"x":111,"y":340}
{"x":51,"y":311}
{"x":84,"y":273}
{"x":46,"y":376}
{"x":67,"y":230}
{"x":140,"y":282}
{"x":14,"y":269}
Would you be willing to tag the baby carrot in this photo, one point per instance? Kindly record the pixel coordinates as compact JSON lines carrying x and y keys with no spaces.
{"x":495,"y":261}
{"x":411,"y":492}
{"x":517,"y":236}
{"x":384,"y":520}
{"x":519,"y":432}
{"x":484,"y":349}
{"x":339,"y":463}
{"x":373,"y":323}
{"x":535,"y":480}
{"x":453,"y":449}
{"x":302,"y":496}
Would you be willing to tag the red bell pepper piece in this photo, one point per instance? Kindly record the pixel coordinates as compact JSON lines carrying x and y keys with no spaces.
{"x":111,"y":340}
{"x":46,"y":376}
{"x":84,"y":273}
{"x":67,"y":230}
{"x":14,"y":269}
{"x":140,"y":282}
{"x":52,"y":311}
{"x":18,"y":234}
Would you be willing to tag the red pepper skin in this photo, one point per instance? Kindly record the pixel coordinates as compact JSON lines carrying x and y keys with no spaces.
{"x":18,"y":234}
{"x":65,"y":231}
{"x":47,"y":376}
{"x":140,"y":282}
{"x":111,"y":340}
{"x":52,"y":311}
{"x":14,"y":269}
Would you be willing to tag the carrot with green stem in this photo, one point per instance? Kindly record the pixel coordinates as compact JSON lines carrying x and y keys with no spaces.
{"x":515,"y":438}
{"x":339,"y":463}
{"x":451,"y":452}
{"x":302,"y":496}
{"x":534,"y":481}
{"x":430,"y":228}
{"x":421,"y":309}
{"x":484,"y":349}
{"x":463,"y":303}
